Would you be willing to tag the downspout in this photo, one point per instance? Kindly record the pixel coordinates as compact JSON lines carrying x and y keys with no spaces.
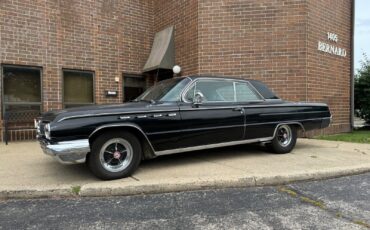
{"x":352,"y":93}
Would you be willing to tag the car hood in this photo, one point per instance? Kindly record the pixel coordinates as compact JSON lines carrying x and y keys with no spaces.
{"x":56,"y":115}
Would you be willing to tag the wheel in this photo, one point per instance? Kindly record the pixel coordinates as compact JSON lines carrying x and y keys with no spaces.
{"x":284,"y":140}
{"x":114,"y":155}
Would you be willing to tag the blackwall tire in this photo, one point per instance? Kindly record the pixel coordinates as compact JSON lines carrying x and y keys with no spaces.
{"x":114,"y":155}
{"x":285,"y":139}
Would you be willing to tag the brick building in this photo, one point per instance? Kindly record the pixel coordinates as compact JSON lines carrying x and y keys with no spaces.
{"x":58,"y":54}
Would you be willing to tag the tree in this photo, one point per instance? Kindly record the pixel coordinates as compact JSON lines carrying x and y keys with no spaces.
{"x":362,"y":90}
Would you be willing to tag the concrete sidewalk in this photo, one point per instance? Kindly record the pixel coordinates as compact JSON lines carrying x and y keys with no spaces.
{"x":26,"y":172}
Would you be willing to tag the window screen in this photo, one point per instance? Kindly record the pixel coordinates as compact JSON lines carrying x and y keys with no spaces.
{"x":21,"y":92}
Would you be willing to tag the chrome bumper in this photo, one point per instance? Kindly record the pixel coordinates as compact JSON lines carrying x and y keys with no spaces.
{"x":67,"y":152}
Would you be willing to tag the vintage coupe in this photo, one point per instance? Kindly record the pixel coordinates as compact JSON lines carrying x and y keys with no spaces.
{"x":176,"y":115}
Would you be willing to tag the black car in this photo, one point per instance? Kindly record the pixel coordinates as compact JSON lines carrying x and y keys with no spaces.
{"x":176,"y":115}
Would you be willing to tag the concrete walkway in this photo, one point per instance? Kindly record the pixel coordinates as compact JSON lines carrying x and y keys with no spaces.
{"x":26,"y":172}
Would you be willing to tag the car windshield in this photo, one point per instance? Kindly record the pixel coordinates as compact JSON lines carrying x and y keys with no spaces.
{"x":167,"y":90}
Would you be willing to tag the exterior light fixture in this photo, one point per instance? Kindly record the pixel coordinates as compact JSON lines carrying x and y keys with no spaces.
{"x":176,"y":69}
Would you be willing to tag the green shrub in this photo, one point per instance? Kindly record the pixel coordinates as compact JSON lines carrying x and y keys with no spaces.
{"x":362,"y":90}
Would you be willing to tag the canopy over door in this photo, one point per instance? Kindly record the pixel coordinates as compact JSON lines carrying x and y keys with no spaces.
{"x":162,"y":55}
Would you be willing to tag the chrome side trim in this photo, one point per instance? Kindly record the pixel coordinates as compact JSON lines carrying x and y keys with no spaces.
{"x":224,"y":144}
{"x":123,"y":125}
{"x":176,"y":110}
{"x":297,"y":122}
{"x":246,"y":106}
{"x":289,"y":122}
{"x":307,"y":112}
{"x":188,"y":149}
{"x":118,"y":113}
{"x":197,"y":129}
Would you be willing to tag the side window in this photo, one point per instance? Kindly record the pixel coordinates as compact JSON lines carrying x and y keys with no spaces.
{"x":245,"y":93}
{"x":213,"y":91}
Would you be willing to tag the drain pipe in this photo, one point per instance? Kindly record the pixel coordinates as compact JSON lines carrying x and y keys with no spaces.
{"x":352,"y":83}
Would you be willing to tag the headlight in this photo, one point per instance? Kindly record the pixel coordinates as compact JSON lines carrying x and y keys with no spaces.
{"x":47,"y":131}
{"x":37,"y":126}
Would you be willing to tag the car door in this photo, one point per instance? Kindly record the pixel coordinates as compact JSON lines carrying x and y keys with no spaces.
{"x":254,"y":105}
{"x":217,"y":119}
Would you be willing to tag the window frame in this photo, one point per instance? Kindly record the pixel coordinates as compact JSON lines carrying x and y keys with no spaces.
{"x":3,"y":103}
{"x":63,"y":87}
{"x":234,"y":81}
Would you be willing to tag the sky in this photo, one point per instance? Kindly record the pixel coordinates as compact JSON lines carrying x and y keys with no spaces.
{"x":362,"y":31}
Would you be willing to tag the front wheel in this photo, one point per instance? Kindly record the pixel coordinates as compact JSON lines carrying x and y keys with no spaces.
{"x":114,"y":155}
{"x":284,"y":140}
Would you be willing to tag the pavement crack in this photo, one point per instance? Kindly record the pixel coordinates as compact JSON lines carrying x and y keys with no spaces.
{"x":359,"y":151}
{"x":320,"y":204}
{"x":134,"y":178}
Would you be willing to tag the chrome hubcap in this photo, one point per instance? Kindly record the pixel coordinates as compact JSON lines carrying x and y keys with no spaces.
{"x":284,"y":135}
{"x":116,"y":155}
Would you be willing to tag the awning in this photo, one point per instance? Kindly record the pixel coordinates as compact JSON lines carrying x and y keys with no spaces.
{"x":162,"y":55}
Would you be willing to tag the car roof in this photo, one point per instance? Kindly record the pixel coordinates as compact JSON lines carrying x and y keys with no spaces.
{"x":193,"y":77}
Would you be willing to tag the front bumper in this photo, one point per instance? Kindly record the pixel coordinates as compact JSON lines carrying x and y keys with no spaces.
{"x":67,"y":152}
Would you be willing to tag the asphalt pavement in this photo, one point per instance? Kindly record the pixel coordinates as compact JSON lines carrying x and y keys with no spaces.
{"x":341,"y":203}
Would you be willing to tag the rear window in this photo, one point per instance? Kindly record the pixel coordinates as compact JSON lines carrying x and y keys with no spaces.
{"x":264,"y":90}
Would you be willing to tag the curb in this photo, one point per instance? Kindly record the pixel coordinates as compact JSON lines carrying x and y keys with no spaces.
{"x":139,"y":188}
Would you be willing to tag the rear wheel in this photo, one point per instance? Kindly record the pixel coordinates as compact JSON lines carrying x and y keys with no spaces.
{"x":284,"y":140}
{"x":114,"y":155}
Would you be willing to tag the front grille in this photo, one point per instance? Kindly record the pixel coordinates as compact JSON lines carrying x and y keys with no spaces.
{"x":42,"y":128}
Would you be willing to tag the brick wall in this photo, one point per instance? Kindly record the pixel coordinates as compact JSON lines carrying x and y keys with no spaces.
{"x":276,"y":42}
{"x":271,"y":40}
{"x":329,"y":75}
{"x":262,"y":40}
{"x":108,"y":37}
{"x":183,"y":14}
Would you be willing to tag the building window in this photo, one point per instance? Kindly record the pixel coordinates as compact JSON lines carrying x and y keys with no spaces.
{"x":133,"y":86}
{"x":78,"y":88}
{"x":21,"y":92}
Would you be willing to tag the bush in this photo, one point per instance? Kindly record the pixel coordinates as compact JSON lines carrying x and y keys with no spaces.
{"x":362,"y":90}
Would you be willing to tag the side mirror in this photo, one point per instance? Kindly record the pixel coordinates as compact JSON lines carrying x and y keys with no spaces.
{"x":198,"y":98}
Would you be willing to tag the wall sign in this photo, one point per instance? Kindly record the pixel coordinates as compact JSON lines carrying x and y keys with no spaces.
{"x":331,"y":48}
{"x":111,"y":93}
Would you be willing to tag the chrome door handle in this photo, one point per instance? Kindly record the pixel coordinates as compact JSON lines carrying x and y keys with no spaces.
{"x":237,"y":109}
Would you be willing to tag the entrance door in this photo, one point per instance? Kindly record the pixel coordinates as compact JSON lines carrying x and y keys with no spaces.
{"x":133,"y":86}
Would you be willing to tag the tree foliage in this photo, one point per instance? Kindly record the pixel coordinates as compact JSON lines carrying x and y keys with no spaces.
{"x":362,"y":90}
